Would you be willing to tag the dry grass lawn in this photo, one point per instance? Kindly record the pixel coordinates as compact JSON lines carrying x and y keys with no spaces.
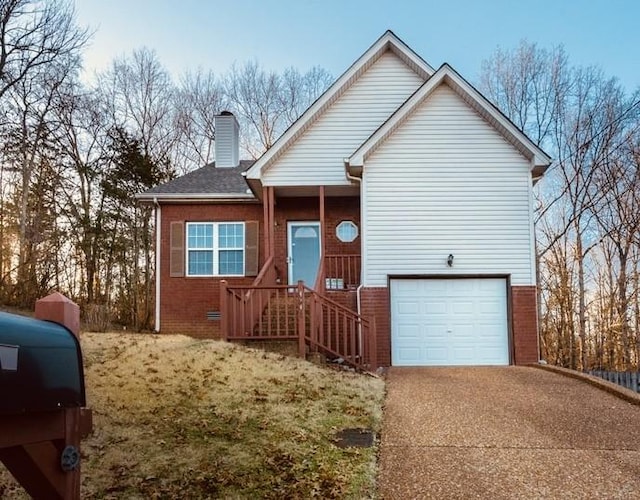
{"x":176,"y":417}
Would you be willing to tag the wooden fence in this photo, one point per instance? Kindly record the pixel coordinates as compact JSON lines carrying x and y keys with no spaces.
{"x":625,"y":379}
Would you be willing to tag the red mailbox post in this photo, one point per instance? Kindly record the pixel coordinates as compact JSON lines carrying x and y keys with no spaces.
{"x":42,"y":400}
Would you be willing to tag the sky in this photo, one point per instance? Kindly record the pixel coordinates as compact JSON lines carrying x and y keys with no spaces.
{"x":213,"y":34}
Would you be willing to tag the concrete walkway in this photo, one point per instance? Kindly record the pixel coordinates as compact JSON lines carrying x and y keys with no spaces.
{"x":511,"y":432}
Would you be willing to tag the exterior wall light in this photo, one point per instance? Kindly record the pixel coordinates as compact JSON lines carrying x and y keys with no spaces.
{"x":450,"y":260}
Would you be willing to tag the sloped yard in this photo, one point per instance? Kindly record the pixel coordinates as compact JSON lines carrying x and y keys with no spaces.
{"x":176,"y":417}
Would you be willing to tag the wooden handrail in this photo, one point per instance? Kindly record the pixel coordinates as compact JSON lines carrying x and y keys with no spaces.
{"x":268,"y":266}
{"x":341,"y":332}
{"x":319,"y":284}
{"x":335,"y":304}
{"x":291,"y":288}
{"x":265,"y":287}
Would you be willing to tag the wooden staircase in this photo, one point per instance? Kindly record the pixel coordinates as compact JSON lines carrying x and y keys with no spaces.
{"x":280,"y":317}
{"x":282,"y":312}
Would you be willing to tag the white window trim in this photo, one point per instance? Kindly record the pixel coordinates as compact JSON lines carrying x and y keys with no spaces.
{"x":215,"y":249}
{"x":354,"y":225}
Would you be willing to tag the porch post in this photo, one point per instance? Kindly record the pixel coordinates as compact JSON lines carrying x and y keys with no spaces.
{"x":323,"y":239}
{"x":267,"y":231}
{"x":322,"y":222}
{"x":272,"y":221}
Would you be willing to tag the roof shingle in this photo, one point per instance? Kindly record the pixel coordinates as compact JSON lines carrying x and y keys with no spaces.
{"x":207,"y":180}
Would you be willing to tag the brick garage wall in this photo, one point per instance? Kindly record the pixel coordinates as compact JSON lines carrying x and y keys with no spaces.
{"x":524,"y":314}
{"x":186,"y":301}
{"x":374,"y":303}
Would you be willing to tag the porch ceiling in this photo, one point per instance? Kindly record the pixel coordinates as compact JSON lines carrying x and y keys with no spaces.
{"x":313,"y":191}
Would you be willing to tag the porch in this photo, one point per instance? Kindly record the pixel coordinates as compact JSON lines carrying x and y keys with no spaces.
{"x":306,"y":290}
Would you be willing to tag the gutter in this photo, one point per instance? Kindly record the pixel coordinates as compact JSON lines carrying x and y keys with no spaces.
{"x":252,"y":185}
{"x":196,"y":198}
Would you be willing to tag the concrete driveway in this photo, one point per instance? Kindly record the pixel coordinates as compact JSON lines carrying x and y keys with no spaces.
{"x":511,"y":432}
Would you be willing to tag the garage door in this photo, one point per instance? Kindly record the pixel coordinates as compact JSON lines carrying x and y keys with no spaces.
{"x":439,"y":322}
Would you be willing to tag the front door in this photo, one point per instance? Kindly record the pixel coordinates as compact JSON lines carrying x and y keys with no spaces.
{"x":304,"y":252}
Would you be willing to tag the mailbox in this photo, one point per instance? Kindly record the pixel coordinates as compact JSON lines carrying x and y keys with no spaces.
{"x":40,"y":366}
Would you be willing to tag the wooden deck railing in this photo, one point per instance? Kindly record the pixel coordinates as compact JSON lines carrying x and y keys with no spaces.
{"x":342,"y":272}
{"x":297,"y":312}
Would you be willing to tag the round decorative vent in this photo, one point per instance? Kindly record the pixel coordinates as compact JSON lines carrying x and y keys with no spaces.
{"x":347,"y":231}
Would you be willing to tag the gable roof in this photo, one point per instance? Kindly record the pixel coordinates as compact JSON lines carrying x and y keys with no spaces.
{"x":205,"y":182}
{"x":387,"y":42}
{"x":446,"y":74}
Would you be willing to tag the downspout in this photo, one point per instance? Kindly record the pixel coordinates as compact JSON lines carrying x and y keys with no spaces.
{"x":158,"y":270}
{"x":536,"y":263}
{"x":360,"y":286}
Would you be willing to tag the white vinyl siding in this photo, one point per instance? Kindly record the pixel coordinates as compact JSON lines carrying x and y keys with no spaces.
{"x":446,"y":183}
{"x":317,"y":156}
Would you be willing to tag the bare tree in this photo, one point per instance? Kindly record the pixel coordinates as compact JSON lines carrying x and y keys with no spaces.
{"x":29,"y":130}
{"x":580,"y":117}
{"x":39,"y":44}
{"x":530,"y":85}
{"x":198,"y":99}
{"x":266,"y":103}
{"x":619,"y":220}
{"x":82,"y":139}
{"x":33,"y":35}
{"x":138,"y":95}
{"x":300,"y":90}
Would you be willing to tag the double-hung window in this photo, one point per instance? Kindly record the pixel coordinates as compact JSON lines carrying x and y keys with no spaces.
{"x":215,"y":248}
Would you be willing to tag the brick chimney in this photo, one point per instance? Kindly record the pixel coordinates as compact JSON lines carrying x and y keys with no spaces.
{"x":227,"y":142}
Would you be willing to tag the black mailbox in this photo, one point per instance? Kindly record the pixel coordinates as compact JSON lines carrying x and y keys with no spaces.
{"x":40,"y":366}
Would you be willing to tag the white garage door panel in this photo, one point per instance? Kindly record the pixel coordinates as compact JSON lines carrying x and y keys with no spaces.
{"x":449,"y":322}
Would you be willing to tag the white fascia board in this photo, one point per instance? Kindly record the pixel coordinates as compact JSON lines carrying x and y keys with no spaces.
{"x":388,"y":41}
{"x":444,"y":73}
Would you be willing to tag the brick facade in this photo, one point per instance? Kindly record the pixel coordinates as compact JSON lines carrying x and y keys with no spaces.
{"x":185,"y":301}
{"x":524,"y":316}
{"x":374,"y":305}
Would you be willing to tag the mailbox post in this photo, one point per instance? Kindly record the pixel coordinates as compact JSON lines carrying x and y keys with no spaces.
{"x":43,"y":412}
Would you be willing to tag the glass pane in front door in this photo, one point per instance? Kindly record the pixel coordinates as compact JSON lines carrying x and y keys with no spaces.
{"x":304,"y":252}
